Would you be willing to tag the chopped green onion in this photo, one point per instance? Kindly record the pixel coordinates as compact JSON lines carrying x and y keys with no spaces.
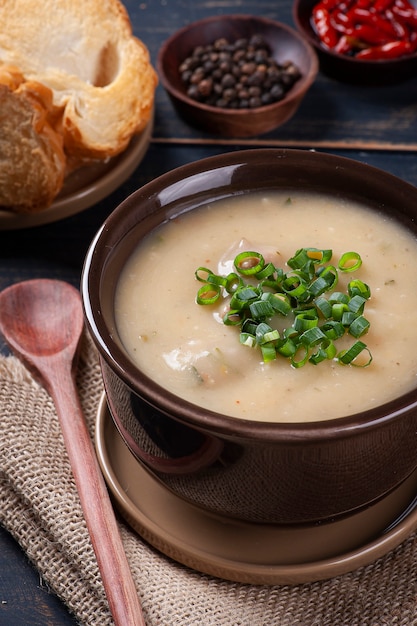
{"x":348,"y":357}
{"x":337,"y":297}
{"x":279,"y":302}
{"x":347,"y":318}
{"x":242,"y":297}
{"x":299,"y":260}
{"x":323,"y":256}
{"x":300,"y":357}
{"x":322,"y":284}
{"x":215,"y":279}
{"x":359,"y":288}
{"x":312,"y":337}
{"x":271,"y":283}
{"x":304,"y":321}
{"x":349,"y":262}
{"x":208,"y":294}
{"x":304,"y":255}
{"x":249,"y":263}
{"x":290,"y":333}
{"x":295,"y":287}
{"x":305,"y":310}
{"x":316,"y":315}
{"x":268,"y":353}
{"x":260,"y":309}
{"x":338,"y":310}
{"x":327,"y":351}
{"x":249,"y":326}
{"x":287,"y":347}
{"x":247,"y":339}
{"x":359,"y":327}
{"x":233,"y":282}
{"x":332,"y":272}
{"x":318,"y":357}
{"x":333,"y":329}
{"x":267,"y":271}
{"x":357,"y":304}
{"x":324,"y":307}
{"x":232,"y":318}
{"x":271,"y":336}
{"x":202,"y":274}
{"x":261,"y":330}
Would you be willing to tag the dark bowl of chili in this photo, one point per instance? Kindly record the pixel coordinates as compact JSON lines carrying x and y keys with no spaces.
{"x":372,"y":42}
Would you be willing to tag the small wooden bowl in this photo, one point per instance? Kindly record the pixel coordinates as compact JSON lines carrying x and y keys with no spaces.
{"x":349,"y":69}
{"x":285,"y":43}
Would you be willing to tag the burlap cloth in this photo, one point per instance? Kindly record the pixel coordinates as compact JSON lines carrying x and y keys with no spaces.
{"x":40,"y":507}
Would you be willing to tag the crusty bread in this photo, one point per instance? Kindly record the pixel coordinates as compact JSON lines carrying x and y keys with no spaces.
{"x":84,"y":51}
{"x":75,"y":86}
{"x":32,"y":159}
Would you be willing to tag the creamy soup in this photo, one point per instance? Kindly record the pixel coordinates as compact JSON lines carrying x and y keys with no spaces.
{"x":187,"y":349}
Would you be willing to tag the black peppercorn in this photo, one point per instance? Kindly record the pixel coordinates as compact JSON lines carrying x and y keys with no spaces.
{"x":205,"y":87}
{"x":228,"y":80}
{"x":277,"y":92}
{"x":237,"y":75}
{"x":248,"y":68}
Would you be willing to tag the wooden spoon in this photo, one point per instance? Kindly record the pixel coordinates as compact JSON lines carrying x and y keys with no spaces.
{"x":42,"y":321}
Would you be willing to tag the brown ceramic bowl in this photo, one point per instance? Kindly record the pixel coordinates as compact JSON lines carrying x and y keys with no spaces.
{"x":348,"y":68}
{"x":285,"y":44}
{"x":276,"y":473}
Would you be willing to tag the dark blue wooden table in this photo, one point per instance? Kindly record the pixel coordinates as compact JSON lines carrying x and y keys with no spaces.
{"x":375,"y":125}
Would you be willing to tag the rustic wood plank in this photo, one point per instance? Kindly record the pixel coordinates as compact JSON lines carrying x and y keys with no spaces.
{"x":291,"y":143}
{"x":25,"y":598}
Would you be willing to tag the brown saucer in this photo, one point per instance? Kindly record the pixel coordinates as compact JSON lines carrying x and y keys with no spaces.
{"x":85,"y":187}
{"x":244,"y":552}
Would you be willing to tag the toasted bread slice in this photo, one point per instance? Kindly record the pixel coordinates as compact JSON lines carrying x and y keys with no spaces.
{"x":32,"y":159}
{"x":99,"y":73}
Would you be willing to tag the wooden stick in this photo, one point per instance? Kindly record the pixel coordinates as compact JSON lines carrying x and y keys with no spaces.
{"x":98,"y":511}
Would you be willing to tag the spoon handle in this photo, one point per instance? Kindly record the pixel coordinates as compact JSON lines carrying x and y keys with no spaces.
{"x":95,"y":501}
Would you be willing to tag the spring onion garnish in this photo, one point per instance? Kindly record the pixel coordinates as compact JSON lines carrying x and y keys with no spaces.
{"x":305,"y":299}
{"x":349,"y":262}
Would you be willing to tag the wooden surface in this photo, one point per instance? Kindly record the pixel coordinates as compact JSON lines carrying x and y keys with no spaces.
{"x":374,"y":125}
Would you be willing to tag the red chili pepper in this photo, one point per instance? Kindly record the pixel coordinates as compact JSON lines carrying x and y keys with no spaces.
{"x":341,"y":23}
{"x":324,"y":27}
{"x":344,"y":45}
{"x":340,"y":17}
{"x":390,"y":50}
{"x":370,"y":34}
{"x":357,"y":13}
{"x":327,"y":4}
{"x":382,"y":5}
{"x":363,"y":16}
{"x":398,"y":30}
{"x":404,"y":4}
{"x":406,"y":17}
